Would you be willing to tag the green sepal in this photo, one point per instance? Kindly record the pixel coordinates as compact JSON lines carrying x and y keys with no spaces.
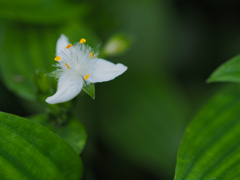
{"x":89,"y":89}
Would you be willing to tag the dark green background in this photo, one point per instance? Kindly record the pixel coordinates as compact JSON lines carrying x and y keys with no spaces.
{"x":136,"y":122}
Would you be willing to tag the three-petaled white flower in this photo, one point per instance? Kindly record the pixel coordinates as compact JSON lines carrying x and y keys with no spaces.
{"x":78,"y":64}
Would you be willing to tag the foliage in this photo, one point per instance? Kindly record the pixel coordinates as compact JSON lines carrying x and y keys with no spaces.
{"x":210,"y":147}
{"x":30,"y":151}
{"x":227,"y":72}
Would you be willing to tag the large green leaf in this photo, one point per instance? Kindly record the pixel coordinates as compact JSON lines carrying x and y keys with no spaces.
{"x":210,"y":148}
{"x":73,"y":132}
{"x":227,"y":72}
{"x":33,"y":48}
{"x":30,"y":151}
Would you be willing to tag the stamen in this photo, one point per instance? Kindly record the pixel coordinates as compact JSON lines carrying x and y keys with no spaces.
{"x":68,"y":46}
{"x":82,"y":40}
{"x":91,"y":54}
{"x":67,"y":65}
{"x":86,"y":77}
{"x":57,"y":58}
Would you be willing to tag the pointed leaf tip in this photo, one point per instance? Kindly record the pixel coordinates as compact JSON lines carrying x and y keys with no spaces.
{"x":227,"y":72}
{"x":89,"y":89}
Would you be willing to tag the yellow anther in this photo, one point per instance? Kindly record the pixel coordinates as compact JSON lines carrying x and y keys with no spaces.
{"x":86,"y":77}
{"x":57,"y":58}
{"x":91,"y":54}
{"x":68,"y":46}
{"x":82,"y":40}
{"x":67,"y":65}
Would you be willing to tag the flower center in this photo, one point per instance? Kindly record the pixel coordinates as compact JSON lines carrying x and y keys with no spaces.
{"x":76,"y":59}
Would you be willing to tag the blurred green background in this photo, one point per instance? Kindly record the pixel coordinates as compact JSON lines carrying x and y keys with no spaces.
{"x":136,"y":122}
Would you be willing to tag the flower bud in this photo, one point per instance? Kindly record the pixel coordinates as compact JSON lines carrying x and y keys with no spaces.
{"x":117,"y":44}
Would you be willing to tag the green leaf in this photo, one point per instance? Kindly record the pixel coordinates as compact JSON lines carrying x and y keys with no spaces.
{"x":227,"y":72}
{"x":33,"y":48}
{"x":30,"y":151}
{"x":42,"y":11}
{"x":73,"y":132}
{"x":210,"y":148}
{"x":89,"y":89}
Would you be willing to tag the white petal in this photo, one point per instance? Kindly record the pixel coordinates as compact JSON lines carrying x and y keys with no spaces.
{"x":62,"y":43}
{"x":67,"y":89}
{"x":105,"y":71}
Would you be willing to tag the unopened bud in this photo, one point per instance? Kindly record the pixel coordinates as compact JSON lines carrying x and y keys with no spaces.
{"x":117,"y":44}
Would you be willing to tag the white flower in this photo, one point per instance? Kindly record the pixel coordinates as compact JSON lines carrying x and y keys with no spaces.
{"x":78,"y":64}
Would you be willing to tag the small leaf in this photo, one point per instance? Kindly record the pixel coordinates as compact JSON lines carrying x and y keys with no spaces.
{"x":30,"y":151}
{"x":89,"y":89}
{"x":210,"y":148}
{"x":73,"y":132}
{"x":227,"y":72}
